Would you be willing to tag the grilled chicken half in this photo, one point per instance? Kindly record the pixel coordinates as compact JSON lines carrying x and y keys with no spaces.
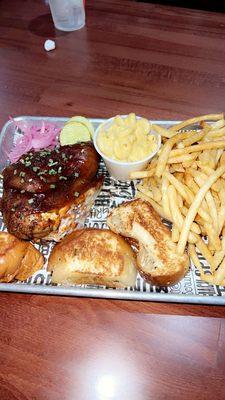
{"x":47,"y":193}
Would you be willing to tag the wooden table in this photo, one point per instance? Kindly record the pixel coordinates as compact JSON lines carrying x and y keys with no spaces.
{"x":162,"y":63}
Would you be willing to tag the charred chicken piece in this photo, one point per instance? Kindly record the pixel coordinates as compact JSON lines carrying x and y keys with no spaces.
{"x":47,"y":193}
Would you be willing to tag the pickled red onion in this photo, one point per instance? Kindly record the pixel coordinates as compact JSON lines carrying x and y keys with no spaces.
{"x":34,"y":137}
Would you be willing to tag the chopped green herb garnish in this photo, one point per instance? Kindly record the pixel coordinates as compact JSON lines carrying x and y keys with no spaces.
{"x":15,"y":171}
{"x":76,"y":194}
{"x":30,"y":180}
{"x":35,"y":169}
{"x":30,"y":201}
{"x":52,"y":171}
{"x":45,"y":153}
{"x":22,"y":173}
{"x":64,"y":157}
{"x":52,"y":163}
{"x":76,"y":174}
{"x":22,"y":180}
{"x":27,"y":163}
{"x":52,"y":186}
{"x":22,"y":191}
{"x":59,"y":169}
{"x":62,"y":177}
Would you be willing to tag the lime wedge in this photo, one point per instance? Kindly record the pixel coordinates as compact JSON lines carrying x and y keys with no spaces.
{"x":74,"y":133}
{"x":84,"y":121}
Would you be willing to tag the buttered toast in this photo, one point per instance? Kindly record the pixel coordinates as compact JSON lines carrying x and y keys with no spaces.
{"x":93,"y":256}
{"x":157,"y":259}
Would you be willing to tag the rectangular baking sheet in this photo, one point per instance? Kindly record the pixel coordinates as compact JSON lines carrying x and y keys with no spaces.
{"x":191,"y":289}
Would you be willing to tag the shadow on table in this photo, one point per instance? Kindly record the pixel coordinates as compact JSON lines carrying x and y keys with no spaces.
{"x":43,"y":26}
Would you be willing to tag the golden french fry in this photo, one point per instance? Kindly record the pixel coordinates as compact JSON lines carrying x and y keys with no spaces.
{"x":203,"y":158}
{"x":191,"y":183}
{"x":210,"y":202}
{"x":219,"y":153}
{"x":221,"y":213}
{"x":155,"y":190}
{"x":162,"y":131}
{"x":155,"y":205}
{"x":208,"y":278}
{"x":152,"y":164}
{"x":195,"y":137}
{"x":220,"y":273}
{"x":186,"y":194}
{"x":215,"y":133}
{"x":173,"y":199}
{"x":177,"y":175}
{"x":218,"y":144}
{"x":205,"y":252}
{"x":175,"y":234}
{"x":183,"y":158}
{"x":142,"y":174}
{"x":205,"y":125}
{"x":165,"y":200}
{"x":180,"y":187}
{"x":209,"y":117}
{"x":213,"y":211}
{"x":222,"y":159}
{"x":200,"y":178}
{"x":180,"y":201}
{"x":211,"y":155}
{"x":145,"y":190}
{"x":218,"y":124}
{"x":219,"y":255}
{"x":217,"y":200}
{"x":205,"y":168}
{"x":214,"y":241}
{"x":177,"y":168}
{"x":195,"y":206}
{"x":174,"y":209}
{"x":165,"y":152}
{"x":194,"y":257}
{"x":189,"y":164}
{"x":180,"y":144}
{"x":176,"y":214}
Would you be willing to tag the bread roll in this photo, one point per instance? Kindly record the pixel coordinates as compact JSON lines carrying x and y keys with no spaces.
{"x":93,"y":256}
{"x":18,"y":259}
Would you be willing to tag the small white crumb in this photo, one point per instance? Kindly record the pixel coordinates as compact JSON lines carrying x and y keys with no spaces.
{"x":49,"y":45}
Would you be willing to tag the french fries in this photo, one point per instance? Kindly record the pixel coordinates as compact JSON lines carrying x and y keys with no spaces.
{"x":185,"y":183}
{"x":218,"y":144}
{"x":191,"y":121}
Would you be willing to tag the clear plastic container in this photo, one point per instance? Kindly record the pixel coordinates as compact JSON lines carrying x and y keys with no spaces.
{"x":68,"y":15}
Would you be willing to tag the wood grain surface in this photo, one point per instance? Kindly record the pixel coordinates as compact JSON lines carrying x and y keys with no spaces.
{"x":162,"y":63}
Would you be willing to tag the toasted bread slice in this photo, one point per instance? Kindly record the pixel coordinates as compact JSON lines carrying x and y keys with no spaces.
{"x":95,"y":257}
{"x":157,"y":259}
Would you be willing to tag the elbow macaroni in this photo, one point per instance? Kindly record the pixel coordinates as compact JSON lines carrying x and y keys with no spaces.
{"x":127,"y":139}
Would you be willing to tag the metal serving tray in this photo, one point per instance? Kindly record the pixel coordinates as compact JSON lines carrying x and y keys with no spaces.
{"x":190,"y":290}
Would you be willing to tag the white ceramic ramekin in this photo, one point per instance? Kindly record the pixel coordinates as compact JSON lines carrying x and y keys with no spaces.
{"x":121,"y":170}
